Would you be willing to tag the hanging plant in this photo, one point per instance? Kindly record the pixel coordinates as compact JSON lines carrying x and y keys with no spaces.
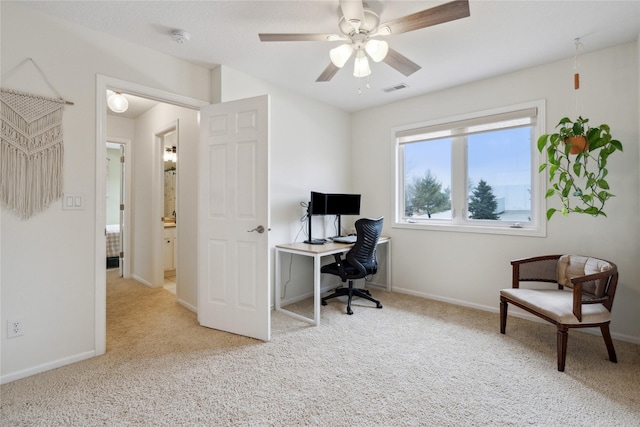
{"x":578,"y":174}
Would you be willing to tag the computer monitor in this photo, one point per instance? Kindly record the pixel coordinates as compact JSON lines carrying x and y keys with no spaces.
{"x":317,"y":206}
{"x":343,"y":204}
{"x":318,"y":203}
{"x":331,"y":204}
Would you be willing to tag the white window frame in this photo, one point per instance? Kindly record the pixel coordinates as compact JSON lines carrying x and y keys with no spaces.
{"x":537,"y":227}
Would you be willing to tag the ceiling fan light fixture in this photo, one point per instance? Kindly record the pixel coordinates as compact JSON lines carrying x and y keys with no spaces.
{"x":340,"y":55}
{"x":377,"y":49}
{"x":361,"y":67}
{"x":117,"y":103}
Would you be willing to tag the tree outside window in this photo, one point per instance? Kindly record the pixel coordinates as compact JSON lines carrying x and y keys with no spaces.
{"x":426,"y":196}
{"x":482,"y":203}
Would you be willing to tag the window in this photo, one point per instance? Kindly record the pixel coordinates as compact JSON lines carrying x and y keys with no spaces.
{"x":477,"y":173}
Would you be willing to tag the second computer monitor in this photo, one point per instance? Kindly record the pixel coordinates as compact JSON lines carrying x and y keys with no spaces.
{"x":343,"y":204}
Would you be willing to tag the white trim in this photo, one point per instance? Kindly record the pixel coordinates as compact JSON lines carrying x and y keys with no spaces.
{"x":513,"y":311}
{"x":141,"y":280}
{"x":188,"y":306}
{"x":102,"y":84}
{"x":47,"y":367}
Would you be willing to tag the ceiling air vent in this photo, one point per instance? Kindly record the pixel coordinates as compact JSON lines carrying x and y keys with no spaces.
{"x":396,"y":87}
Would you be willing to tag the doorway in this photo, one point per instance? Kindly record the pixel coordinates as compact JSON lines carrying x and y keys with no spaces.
{"x":168,"y":140}
{"x":140,"y":189}
{"x":118,"y":205}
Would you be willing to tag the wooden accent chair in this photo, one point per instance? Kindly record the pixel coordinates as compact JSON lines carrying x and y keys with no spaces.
{"x":587,"y":304}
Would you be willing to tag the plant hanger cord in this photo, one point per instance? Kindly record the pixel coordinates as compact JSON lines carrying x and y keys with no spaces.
{"x":576,"y":76}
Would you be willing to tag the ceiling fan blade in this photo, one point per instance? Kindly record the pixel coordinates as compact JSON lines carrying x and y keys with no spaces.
{"x":299,"y":37}
{"x":401,"y":62}
{"x":352,"y":10}
{"x":328,"y":73}
{"x":436,"y":15}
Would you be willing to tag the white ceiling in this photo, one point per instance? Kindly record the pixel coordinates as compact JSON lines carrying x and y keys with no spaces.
{"x":499,"y":37}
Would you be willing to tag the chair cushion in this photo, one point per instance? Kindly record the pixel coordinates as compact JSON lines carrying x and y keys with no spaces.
{"x":570,"y":266}
{"x":557,"y":304}
{"x":333,"y":268}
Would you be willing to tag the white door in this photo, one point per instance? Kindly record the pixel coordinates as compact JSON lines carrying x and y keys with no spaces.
{"x":234,"y":277}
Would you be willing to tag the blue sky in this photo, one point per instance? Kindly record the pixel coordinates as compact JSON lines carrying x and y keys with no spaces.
{"x":502,"y":158}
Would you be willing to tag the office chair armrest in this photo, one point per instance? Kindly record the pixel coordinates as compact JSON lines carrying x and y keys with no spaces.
{"x":340,"y":265}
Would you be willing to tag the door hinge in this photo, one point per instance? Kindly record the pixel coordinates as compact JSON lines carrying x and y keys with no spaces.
{"x":122,"y":255}
{"x":121,"y":159}
{"x":122,"y":206}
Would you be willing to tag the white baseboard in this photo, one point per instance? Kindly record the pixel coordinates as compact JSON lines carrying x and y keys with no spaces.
{"x":141,"y":280}
{"x":46,"y":367}
{"x":513,"y":311}
{"x":188,"y":306}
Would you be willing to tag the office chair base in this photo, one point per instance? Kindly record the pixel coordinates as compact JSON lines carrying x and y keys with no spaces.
{"x":351,"y":292}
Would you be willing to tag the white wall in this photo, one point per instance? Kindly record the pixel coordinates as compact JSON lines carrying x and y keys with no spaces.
{"x":428,"y":263}
{"x":48,"y":272}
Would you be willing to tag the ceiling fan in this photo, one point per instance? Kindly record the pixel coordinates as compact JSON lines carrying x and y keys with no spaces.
{"x":361,"y":30}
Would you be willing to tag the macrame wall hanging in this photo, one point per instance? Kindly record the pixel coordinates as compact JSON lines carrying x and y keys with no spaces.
{"x":31,"y":149}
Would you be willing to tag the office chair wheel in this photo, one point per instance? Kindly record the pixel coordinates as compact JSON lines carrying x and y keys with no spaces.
{"x":324,"y":302}
{"x":349,"y":311}
{"x":378,"y":305}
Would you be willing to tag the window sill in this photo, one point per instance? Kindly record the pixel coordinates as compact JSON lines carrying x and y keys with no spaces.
{"x":525,"y":231}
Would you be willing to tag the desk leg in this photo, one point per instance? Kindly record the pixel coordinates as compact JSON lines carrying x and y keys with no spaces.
{"x":316,"y":289}
{"x":276,"y":295}
{"x":388,"y":266}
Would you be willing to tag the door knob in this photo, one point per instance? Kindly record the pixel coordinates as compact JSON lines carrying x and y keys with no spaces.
{"x":259,"y":229}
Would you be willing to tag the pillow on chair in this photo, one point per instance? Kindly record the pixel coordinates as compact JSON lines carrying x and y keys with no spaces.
{"x":570,"y":266}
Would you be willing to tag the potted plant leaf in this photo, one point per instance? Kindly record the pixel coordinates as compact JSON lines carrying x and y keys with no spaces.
{"x":578,"y":173}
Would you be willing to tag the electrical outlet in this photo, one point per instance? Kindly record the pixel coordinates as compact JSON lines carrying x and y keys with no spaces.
{"x":14,"y":328}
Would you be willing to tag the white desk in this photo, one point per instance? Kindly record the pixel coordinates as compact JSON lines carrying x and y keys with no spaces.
{"x":317,"y":252}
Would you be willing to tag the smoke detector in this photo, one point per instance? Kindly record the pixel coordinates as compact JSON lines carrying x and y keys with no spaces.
{"x":180,"y":36}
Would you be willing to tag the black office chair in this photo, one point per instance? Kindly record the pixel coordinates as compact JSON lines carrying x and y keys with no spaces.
{"x":359,"y":262}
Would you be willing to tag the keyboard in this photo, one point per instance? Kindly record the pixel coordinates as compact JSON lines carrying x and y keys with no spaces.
{"x":345,"y":239}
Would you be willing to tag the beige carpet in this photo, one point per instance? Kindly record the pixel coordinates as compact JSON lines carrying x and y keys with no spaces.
{"x":414,"y":363}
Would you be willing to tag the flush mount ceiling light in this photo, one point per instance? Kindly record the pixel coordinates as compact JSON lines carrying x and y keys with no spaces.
{"x":180,"y":36}
{"x":117,"y":102}
{"x":360,"y":29}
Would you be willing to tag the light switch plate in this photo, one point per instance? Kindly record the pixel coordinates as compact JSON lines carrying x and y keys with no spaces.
{"x":72,"y":202}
